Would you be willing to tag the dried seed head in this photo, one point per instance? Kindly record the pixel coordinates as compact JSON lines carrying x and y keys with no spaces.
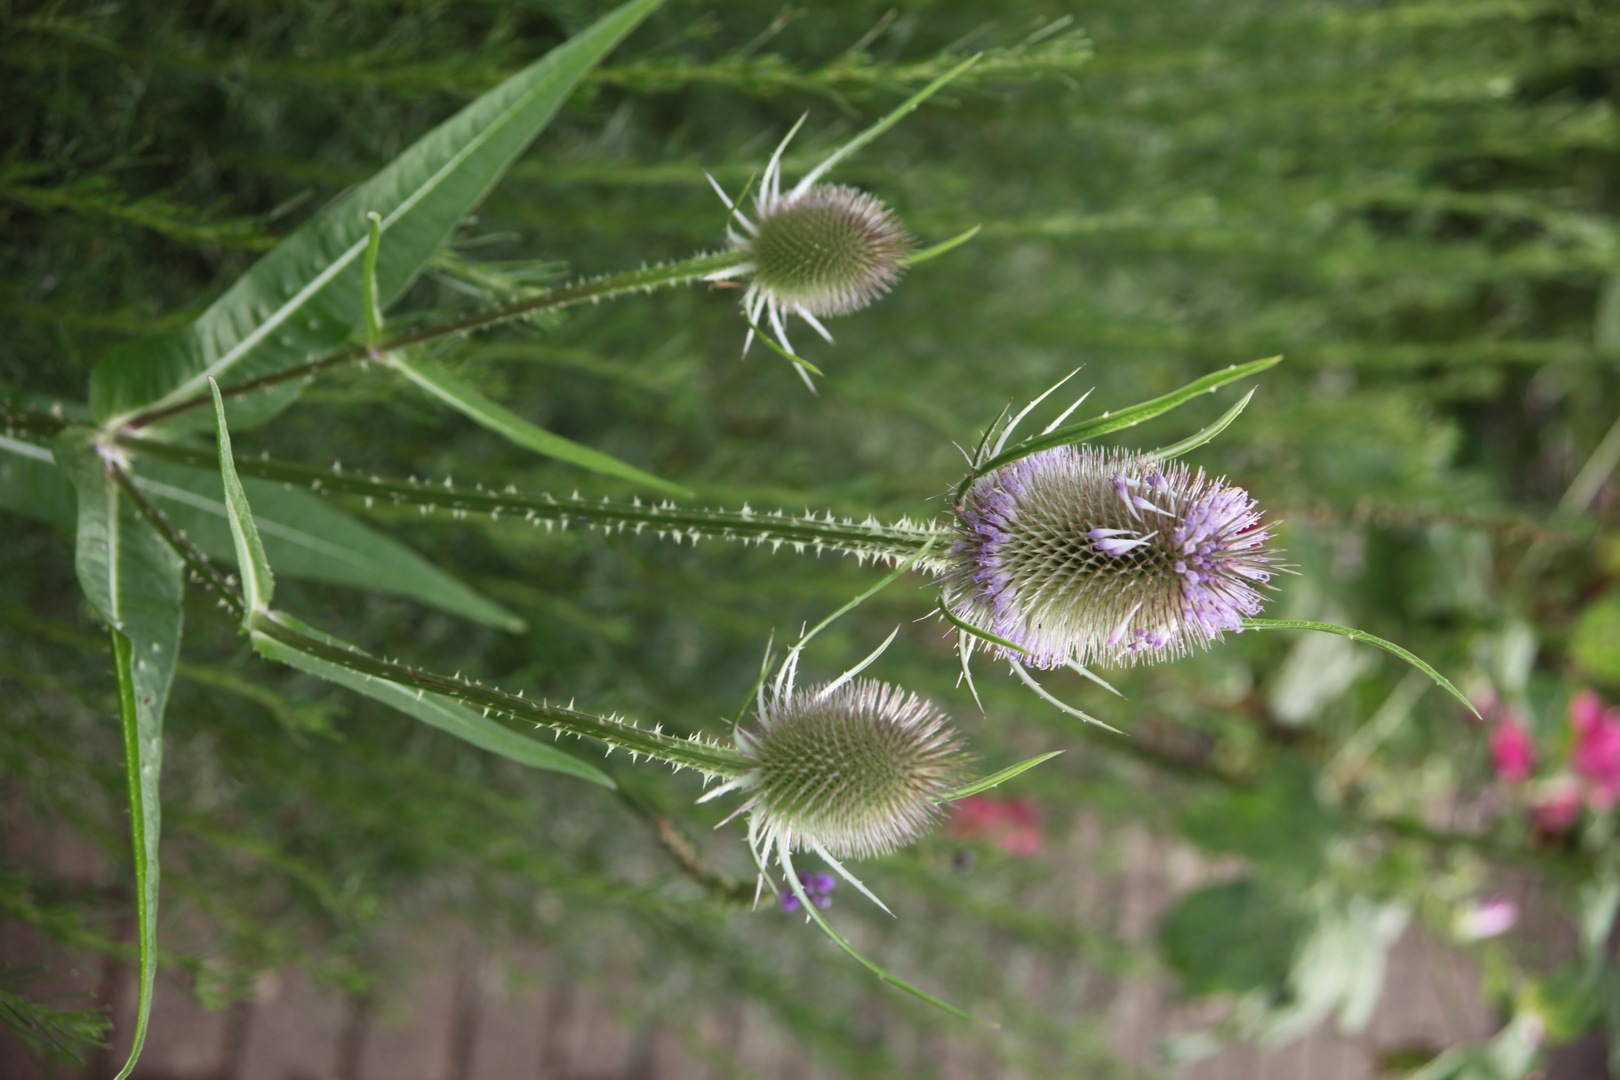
{"x":1101,"y":555}
{"x":857,"y":770}
{"x":829,"y":251}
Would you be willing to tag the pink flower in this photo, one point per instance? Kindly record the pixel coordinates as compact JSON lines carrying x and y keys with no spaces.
{"x":1512,"y":752}
{"x":1555,"y":804}
{"x":1013,"y":825}
{"x":1596,"y":754}
{"x":1487,"y":919}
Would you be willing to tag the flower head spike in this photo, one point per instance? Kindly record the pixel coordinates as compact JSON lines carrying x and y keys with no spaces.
{"x":1079,"y":554}
{"x":851,"y":770}
{"x":817,"y":251}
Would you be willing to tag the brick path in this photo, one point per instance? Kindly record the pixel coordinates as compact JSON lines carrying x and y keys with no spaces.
{"x":466,"y":1017}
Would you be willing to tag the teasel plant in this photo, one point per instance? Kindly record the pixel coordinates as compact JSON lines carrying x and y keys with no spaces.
{"x":852,"y":768}
{"x":125,"y":469}
{"x":314,"y":303}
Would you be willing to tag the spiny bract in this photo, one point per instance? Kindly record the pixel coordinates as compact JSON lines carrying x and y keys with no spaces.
{"x":1103,"y":555}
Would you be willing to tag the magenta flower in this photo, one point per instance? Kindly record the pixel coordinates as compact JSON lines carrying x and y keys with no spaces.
{"x":1512,"y":752}
{"x":1555,"y":804}
{"x":1487,"y":919}
{"x":1596,"y":754}
{"x":1013,"y":825}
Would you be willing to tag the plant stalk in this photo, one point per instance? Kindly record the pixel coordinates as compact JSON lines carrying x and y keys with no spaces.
{"x":596,"y":289}
{"x":869,"y":539}
{"x":705,"y":757}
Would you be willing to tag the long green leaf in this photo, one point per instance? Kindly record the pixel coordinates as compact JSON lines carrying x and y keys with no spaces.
{"x":996,"y":779}
{"x":431,"y":709}
{"x":134,"y":582}
{"x":1199,"y":438}
{"x":304,"y":297}
{"x":1124,"y":418}
{"x":304,"y":536}
{"x":509,"y":425}
{"x":31,"y":484}
{"x":1362,"y":635}
{"x":143,"y":760}
{"x":258,"y":582}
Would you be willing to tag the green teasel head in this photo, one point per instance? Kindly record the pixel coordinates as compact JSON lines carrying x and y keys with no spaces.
{"x":816,"y":251}
{"x":853,"y":769}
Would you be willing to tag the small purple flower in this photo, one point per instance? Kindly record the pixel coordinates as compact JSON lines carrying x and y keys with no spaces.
{"x":818,"y":887}
{"x":1091,"y":555}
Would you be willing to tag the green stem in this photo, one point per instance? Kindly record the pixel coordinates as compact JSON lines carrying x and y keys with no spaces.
{"x":198,"y":563}
{"x":868,"y":539}
{"x":690,"y":753}
{"x":596,"y":289}
{"x":702,"y":756}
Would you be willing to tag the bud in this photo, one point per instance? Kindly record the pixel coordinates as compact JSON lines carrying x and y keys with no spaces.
{"x":1081,"y":554}
{"x":856,"y":769}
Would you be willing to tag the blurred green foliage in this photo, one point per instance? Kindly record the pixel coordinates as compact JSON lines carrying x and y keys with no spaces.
{"x":1414,"y":201}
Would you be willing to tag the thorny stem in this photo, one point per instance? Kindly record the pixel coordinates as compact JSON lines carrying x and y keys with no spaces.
{"x":866,"y":539}
{"x":195,"y":560}
{"x":705,"y":757}
{"x":593,"y":290}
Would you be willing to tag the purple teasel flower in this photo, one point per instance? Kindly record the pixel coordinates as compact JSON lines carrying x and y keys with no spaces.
{"x":1077,"y":554}
{"x":817,"y":886}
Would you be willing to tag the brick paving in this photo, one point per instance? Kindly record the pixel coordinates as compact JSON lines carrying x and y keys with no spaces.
{"x":466,"y":1016}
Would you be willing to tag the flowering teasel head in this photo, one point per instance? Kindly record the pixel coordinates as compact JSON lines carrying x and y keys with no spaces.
{"x":818,"y":250}
{"x":1086,"y":555}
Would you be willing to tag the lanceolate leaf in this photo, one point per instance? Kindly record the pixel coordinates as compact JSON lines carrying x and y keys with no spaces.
{"x":304,"y":536}
{"x":1362,"y":635}
{"x":996,"y":779}
{"x":308,"y":538}
{"x":304,"y":298}
{"x":431,"y":709}
{"x":258,"y":582}
{"x":134,"y":582}
{"x":509,"y":425}
{"x":31,"y":484}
